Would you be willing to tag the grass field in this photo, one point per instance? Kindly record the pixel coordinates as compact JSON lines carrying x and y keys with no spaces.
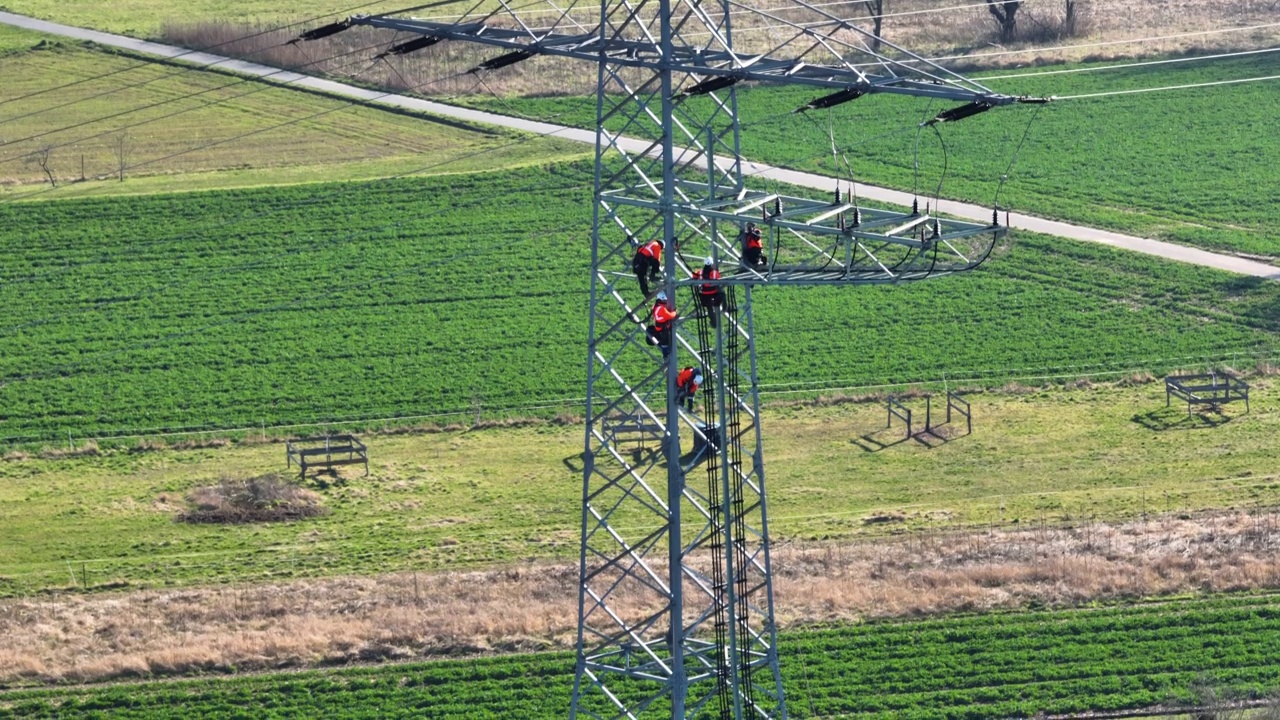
{"x":495,"y":496}
{"x":197,"y":130}
{"x":991,"y":666}
{"x":1172,"y":166}
{"x":322,"y":303}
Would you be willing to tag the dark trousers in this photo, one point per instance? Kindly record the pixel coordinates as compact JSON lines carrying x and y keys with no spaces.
{"x":661,"y":338}
{"x":712,"y":304}
{"x":754,"y":257}
{"x":647,"y":270}
{"x":684,"y":397}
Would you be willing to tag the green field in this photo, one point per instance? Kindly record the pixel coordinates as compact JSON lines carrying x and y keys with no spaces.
{"x":333,"y":302}
{"x":990,"y":666}
{"x":1175,"y":166}
{"x":197,"y":130}
{"x":497,"y":496}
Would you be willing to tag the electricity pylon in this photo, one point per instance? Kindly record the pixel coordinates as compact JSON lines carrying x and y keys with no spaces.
{"x":675,"y":595}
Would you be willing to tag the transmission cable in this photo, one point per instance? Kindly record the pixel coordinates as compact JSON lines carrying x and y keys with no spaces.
{"x":1126,"y":66}
{"x":1217,"y":83}
{"x":1080,"y":46}
{"x":345,"y":105}
{"x":520,"y":140}
{"x":527,"y":137}
{"x":179,"y":98}
{"x":242,"y":38}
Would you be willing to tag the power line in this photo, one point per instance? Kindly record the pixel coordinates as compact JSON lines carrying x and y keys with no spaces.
{"x":838,"y":21}
{"x":193,"y":51}
{"x":132,"y":86}
{"x":1167,"y":87}
{"x":178,"y":98}
{"x":1125,"y":66}
{"x":1082,"y":46}
{"x":523,"y":139}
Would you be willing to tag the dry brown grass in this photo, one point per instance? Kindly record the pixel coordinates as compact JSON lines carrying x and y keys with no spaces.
{"x":76,"y":638}
{"x":264,"y":498}
{"x":87,"y":449}
{"x":967,"y":32}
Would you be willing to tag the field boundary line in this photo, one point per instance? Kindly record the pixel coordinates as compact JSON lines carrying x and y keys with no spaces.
{"x":1166,"y":250}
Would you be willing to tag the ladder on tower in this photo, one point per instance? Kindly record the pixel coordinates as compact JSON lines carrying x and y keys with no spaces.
{"x":730,"y":556}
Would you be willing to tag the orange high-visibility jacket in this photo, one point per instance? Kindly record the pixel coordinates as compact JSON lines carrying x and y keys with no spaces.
{"x":685,"y":380}
{"x":662,"y":317}
{"x":753,"y":240}
{"x":651,"y":249}
{"x":705,"y":274}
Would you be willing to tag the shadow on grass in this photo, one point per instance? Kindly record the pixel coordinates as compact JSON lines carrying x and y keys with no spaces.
{"x":931,"y":438}
{"x":1175,"y":419}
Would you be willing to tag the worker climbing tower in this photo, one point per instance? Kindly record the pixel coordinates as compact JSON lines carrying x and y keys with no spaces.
{"x":676,"y":615}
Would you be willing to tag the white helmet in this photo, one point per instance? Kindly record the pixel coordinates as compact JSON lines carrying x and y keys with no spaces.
{"x":708,"y":262}
{"x":662,"y":296}
{"x":697,"y":377}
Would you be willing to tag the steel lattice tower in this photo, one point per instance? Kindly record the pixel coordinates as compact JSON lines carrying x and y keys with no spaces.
{"x":675,"y":595}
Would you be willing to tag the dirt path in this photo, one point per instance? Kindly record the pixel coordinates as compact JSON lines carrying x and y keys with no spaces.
{"x":1146,"y":246}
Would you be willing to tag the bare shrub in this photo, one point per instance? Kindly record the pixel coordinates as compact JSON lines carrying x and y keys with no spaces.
{"x":263,"y":498}
{"x":43,"y":158}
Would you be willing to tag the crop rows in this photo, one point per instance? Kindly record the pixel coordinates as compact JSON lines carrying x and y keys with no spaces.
{"x":460,"y":293}
{"x":975,"y":667}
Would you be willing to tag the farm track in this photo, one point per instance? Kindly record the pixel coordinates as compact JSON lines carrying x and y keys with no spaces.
{"x":1146,"y":246}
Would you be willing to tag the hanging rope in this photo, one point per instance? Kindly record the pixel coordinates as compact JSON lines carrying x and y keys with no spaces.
{"x":946,"y":166}
{"x":915,"y":186}
{"x":995,"y":203}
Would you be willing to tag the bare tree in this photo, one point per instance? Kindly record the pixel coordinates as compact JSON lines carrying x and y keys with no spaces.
{"x":43,"y":157}
{"x":875,"y":10}
{"x":1071,"y":18}
{"x":1006,"y":14}
{"x":122,"y":148}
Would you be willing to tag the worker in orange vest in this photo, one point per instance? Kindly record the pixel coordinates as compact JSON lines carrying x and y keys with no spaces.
{"x":711,"y":296}
{"x":662,"y":332}
{"x":753,"y":248}
{"x":647,"y":264}
{"x":687,"y":382}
